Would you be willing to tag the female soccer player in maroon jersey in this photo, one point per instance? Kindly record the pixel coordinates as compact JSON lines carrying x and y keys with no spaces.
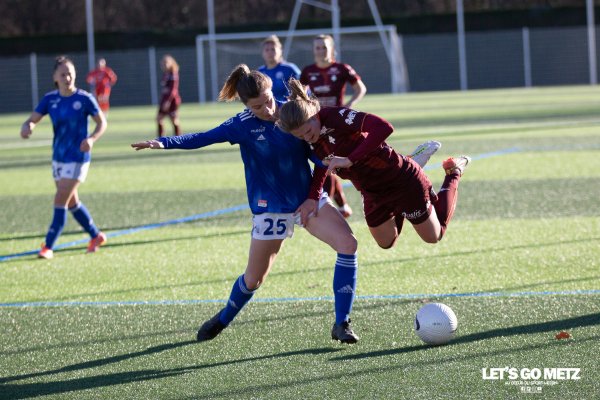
{"x":169,"y":99}
{"x":394,"y":187}
{"x":327,"y":80}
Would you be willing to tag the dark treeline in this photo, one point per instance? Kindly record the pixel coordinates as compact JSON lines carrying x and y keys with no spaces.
{"x":53,"y":25}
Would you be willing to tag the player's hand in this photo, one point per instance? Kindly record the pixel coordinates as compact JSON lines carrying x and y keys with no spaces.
{"x":306,"y":210}
{"x":26,"y":130}
{"x":86,"y":145}
{"x":335,"y":162}
{"x":148,"y":144}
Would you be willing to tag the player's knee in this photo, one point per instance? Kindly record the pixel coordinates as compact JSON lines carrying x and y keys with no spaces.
{"x":253,"y":283}
{"x":387,"y":244}
{"x":348,"y":245}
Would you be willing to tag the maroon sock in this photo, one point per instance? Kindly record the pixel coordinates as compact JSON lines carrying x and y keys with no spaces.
{"x":446,"y":201}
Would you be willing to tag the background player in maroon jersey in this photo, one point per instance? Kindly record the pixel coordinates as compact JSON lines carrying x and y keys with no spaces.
{"x":393,"y":186}
{"x":327,"y":80}
{"x":169,"y":99}
{"x":103,"y":78}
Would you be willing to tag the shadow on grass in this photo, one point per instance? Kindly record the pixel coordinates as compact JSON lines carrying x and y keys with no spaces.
{"x":194,"y":324}
{"x":550,"y":326}
{"x":15,"y":391}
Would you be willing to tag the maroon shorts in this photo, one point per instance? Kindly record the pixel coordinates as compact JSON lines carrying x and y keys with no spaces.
{"x":409,"y":198}
{"x":172,"y":110}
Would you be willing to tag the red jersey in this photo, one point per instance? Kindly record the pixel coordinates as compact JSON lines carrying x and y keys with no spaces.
{"x":329,"y":84}
{"x":169,"y":94}
{"x":102,"y":79}
{"x":377,"y":168}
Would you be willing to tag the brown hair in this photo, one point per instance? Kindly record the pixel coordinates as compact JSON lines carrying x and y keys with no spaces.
{"x":300,"y":108}
{"x":272,"y":39}
{"x":244,"y":84}
{"x":61,"y":60}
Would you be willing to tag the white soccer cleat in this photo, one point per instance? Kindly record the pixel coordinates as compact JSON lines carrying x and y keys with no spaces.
{"x":456,"y":165}
{"x":424,"y":151}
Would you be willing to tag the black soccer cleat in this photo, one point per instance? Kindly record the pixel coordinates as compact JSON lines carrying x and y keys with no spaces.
{"x":344,"y":333}
{"x":210,"y":329}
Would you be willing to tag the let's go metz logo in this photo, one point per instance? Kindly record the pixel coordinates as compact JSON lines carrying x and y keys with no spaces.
{"x":554,"y":374}
{"x":531,"y":380}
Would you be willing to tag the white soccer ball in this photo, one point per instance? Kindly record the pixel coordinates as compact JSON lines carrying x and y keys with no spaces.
{"x":435,"y":323}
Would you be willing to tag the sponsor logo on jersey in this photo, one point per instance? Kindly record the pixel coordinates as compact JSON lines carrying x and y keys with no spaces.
{"x":279,"y":75}
{"x":322,"y":89}
{"x":262,"y":203}
{"x":54,"y":103}
{"x":77,"y":105}
{"x":342,"y":111}
{"x":258,"y":130}
{"x":350,"y":118}
{"x":325,"y":130}
{"x":334,"y":78}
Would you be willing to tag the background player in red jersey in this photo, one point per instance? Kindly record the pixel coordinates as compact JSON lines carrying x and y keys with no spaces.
{"x":169,"y":99}
{"x":327,"y":80}
{"x":103,"y":78}
{"x":393,"y":187}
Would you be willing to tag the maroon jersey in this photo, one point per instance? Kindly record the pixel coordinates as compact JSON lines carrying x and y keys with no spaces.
{"x":329,"y":84}
{"x":169,"y":96}
{"x":376,"y":168}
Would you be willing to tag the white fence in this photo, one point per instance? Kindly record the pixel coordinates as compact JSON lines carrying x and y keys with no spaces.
{"x":494,"y":59}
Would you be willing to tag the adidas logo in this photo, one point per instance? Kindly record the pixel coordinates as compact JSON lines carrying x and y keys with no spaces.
{"x":261,"y":137}
{"x":232,"y":304}
{"x":346,"y":289}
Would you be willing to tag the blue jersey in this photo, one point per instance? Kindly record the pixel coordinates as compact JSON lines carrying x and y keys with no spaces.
{"x":278,"y":175}
{"x":280,"y":75}
{"x":69,"y":117}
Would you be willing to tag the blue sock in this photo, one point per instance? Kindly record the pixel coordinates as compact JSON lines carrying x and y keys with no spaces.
{"x":344,"y":285}
{"x":82,"y":215}
{"x":238,"y":298}
{"x":59,"y":220}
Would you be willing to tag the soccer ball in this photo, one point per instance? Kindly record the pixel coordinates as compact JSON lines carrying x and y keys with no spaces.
{"x":435,"y":323}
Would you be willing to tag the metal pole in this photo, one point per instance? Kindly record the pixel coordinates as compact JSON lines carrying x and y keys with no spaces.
{"x":200,"y":63}
{"x":291,"y":29}
{"x":591,"y":31}
{"x":335,"y":25}
{"x":526,"y":57}
{"x":462,"y":51}
{"x":212,"y":45}
{"x":89,"y":22}
{"x":152,"y":64}
{"x":34,"y":79}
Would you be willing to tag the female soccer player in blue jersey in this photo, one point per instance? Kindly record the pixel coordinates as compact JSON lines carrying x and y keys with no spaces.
{"x":276,"y":68}
{"x":69,"y":109}
{"x":280,"y":195}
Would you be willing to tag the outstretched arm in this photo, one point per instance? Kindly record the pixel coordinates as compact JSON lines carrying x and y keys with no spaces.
{"x":148,"y":144}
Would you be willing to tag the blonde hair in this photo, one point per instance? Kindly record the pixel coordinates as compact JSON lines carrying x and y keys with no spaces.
{"x":170,"y":63}
{"x":244,"y":84}
{"x":299,"y":109}
{"x":272,"y":39}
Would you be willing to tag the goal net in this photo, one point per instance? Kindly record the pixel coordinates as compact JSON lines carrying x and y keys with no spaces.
{"x":374,"y":52}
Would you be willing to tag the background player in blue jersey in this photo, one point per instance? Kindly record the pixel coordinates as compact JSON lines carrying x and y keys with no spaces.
{"x":69,"y":109}
{"x":276,"y":68}
{"x":278,"y":183}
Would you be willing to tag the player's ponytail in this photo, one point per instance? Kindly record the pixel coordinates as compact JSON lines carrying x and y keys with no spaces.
{"x":299,"y":109}
{"x":244,"y":84}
